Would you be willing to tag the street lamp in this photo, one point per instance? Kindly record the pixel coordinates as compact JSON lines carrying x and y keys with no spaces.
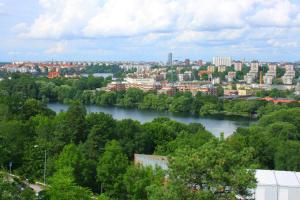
{"x":45,"y":163}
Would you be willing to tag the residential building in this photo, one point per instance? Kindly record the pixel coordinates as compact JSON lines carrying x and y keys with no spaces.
{"x":211,"y":68}
{"x":289,"y":75}
{"x":187,"y":62}
{"x":251,"y":76}
{"x":254,"y":66}
{"x":145,"y":84}
{"x":238,"y":66}
{"x":218,"y":61}
{"x":199,"y":62}
{"x":186,"y":76}
{"x":54,"y":74}
{"x":231,"y":76}
{"x":228,"y":92}
{"x":216,"y":81}
{"x":270,"y":75}
{"x":221,"y":68}
{"x":115,"y":86}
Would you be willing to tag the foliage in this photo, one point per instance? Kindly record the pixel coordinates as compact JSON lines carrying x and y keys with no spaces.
{"x":110,"y":170}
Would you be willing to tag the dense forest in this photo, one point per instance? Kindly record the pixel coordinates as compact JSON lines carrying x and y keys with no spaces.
{"x":90,"y":156}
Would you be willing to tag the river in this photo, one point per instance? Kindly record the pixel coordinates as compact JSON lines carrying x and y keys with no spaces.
{"x":215,"y":125}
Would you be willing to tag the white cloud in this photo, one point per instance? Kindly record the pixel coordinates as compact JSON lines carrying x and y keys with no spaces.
{"x":58,"y":48}
{"x":61,"y":18}
{"x":280,"y":13}
{"x":114,"y":18}
{"x":242,"y":25}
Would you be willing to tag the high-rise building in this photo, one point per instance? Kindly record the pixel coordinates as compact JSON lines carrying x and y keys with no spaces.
{"x":225,"y":61}
{"x":238,"y":66}
{"x":170,"y":59}
{"x":187,"y":62}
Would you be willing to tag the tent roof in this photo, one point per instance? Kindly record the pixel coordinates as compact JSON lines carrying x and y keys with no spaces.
{"x":278,"y":178}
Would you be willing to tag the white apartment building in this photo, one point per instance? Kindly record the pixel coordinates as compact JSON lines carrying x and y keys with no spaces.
{"x":238,"y":66}
{"x":218,"y":61}
{"x":270,"y":75}
{"x":289,"y":75}
{"x":253,"y":73}
{"x":231,"y":76}
{"x":221,"y":68}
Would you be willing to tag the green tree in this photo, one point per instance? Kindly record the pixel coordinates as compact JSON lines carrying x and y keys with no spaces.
{"x":138,"y":178}
{"x":110,"y":170}
{"x":75,"y":119}
{"x":215,"y":171}
{"x":63,"y":187}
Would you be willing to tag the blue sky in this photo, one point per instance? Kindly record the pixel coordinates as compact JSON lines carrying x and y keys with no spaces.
{"x":268,"y":30}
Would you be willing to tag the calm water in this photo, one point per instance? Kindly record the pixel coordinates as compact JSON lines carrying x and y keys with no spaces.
{"x":104,"y":75}
{"x":214,"y":125}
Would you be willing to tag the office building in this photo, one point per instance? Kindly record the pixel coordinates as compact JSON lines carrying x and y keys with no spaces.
{"x":170,"y":59}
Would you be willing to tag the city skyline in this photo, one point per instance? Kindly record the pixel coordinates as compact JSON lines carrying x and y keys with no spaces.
{"x":149,"y":30}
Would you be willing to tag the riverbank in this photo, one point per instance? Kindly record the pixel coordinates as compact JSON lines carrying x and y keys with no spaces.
{"x":214,"y":124}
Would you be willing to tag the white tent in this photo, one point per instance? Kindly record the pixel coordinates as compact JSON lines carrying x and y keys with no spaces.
{"x":277,"y":185}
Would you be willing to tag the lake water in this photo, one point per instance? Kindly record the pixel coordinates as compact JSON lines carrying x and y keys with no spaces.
{"x":104,"y":75}
{"x":216,"y":125}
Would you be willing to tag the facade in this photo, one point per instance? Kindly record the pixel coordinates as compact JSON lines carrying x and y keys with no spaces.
{"x":238,"y":66}
{"x":231,"y":76}
{"x":186,"y":76}
{"x":168,"y":90}
{"x":254,"y":66}
{"x":170,"y":59}
{"x":54,"y":74}
{"x":211,"y":69}
{"x":218,"y":61}
{"x":145,"y":84}
{"x":289,"y":75}
{"x":252,"y":75}
{"x":115,"y":86}
{"x":221,"y":68}
{"x":270,"y":75}
{"x":187,"y":62}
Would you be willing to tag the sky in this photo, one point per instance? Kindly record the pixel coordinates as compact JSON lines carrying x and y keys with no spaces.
{"x":147,"y":30}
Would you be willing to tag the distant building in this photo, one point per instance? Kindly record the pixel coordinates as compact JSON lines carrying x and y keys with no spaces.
{"x":145,"y":84}
{"x":186,"y":76}
{"x":218,"y":61}
{"x":289,"y":75}
{"x":270,"y":75}
{"x":252,"y":75}
{"x":115,"y":86}
{"x":222,"y":68}
{"x":199,"y":62}
{"x":168,"y":90}
{"x":54,"y":74}
{"x":231,"y":76}
{"x":238,"y":66}
{"x":187,"y":62}
{"x":216,"y":81}
{"x":254,"y":66}
{"x":170,"y":59}
{"x":211,"y":68}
